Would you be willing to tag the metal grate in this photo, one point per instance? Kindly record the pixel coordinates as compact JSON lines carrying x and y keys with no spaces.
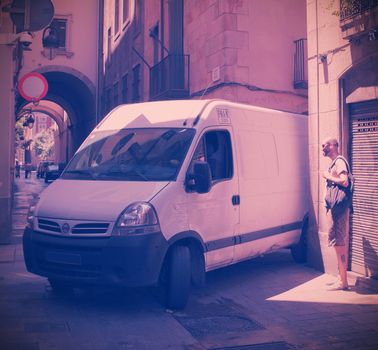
{"x":200,"y":327}
{"x":280,"y":345}
{"x":300,"y":64}
{"x":364,"y":162}
{"x":216,"y":319}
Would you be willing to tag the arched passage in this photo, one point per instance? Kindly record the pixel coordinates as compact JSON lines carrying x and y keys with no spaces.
{"x":63,"y":146}
{"x":75,"y":93}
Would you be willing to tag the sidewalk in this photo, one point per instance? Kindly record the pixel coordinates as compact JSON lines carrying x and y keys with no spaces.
{"x":268,"y":303}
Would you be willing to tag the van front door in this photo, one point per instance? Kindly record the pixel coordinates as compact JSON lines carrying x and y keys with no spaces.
{"x":215,"y":215}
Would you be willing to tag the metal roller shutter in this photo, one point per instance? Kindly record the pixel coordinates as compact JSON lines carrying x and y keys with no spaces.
{"x":364,"y":163}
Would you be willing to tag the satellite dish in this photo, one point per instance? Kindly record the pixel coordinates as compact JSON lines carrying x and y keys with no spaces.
{"x":31,"y":15}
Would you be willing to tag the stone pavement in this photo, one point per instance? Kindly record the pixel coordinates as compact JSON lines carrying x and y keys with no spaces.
{"x":268,"y":303}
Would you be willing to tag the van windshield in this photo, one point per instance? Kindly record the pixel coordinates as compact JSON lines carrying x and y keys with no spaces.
{"x":153,"y":154}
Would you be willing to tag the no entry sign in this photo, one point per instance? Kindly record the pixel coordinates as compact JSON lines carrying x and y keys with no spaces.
{"x":33,"y":87}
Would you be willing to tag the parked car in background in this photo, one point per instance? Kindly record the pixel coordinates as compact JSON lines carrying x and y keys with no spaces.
{"x":54,"y":171}
{"x":42,"y":168}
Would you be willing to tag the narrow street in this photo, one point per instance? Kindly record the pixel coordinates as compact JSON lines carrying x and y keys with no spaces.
{"x":25,"y":192}
{"x":269,"y":303}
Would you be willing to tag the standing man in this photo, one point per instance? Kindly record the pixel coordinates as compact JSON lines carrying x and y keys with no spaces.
{"x":338,"y":216}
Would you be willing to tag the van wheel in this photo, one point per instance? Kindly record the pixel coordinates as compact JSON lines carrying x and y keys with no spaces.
{"x":60,"y":287}
{"x":177,"y":277}
{"x":299,"y":251}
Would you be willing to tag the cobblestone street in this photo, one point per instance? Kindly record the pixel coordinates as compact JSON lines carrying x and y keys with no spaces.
{"x":266,"y":303}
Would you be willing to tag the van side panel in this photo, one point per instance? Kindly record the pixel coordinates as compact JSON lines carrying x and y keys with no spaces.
{"x":273,"y":179}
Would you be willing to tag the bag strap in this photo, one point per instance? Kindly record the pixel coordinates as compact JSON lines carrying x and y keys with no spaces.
{"x":343,"y":159}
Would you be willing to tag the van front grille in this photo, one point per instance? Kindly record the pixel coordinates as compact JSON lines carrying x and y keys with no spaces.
{"x":73,"y":227}
{"x":90,"y":228}
{"x":49,"y":225}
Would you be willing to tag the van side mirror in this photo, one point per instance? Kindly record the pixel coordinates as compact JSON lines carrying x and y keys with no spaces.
{"x":200,"y":179}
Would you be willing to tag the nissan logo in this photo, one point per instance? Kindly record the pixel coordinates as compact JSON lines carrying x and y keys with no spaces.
{"x":65,"y":228}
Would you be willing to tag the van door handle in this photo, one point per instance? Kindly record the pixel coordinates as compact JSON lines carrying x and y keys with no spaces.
{"x":236,"y":199}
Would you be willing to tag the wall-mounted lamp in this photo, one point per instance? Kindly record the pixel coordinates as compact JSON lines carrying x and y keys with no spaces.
{"x":50,"y":39}
{"x":29,"y":122}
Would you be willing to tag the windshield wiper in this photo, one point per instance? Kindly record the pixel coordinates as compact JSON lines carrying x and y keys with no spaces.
{"x":138,"y":173}
{"x":123,"y":174}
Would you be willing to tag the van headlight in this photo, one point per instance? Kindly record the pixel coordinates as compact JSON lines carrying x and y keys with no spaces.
{"x":137,"y":218}
{"x":30,"y":217}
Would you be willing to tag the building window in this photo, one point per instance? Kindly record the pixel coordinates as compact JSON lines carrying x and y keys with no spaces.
{"x":109,"y":46}
{"x":60,"y":26}
{"x":41,"y":127}
{"x":124,"y":89}
{"x":116,"y":16}
{"x":137,"y":17}
{"x":103,"y":105}
{"x":136,"y":83}
{"x":125,"y":11}
{"x":42,"y":119}
{"x":154,"y":34}
{"x":115,"y":95}
{"x":108,"y":102}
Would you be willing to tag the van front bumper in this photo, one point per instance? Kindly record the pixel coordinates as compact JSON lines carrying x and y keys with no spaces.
{"x":133,"y":260}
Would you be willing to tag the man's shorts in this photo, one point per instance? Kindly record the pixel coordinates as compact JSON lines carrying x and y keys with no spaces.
{"x":338,"y":226}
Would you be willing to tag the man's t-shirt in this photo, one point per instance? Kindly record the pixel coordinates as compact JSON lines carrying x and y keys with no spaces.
{"x":339,"y":168}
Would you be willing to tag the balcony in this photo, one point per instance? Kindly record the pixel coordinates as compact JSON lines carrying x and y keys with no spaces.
{"x":358,"y":17}
{"x":169,"y":79}
{"x":300,"y":64}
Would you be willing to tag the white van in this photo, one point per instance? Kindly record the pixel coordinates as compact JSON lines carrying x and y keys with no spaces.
{"x":161,"y":192}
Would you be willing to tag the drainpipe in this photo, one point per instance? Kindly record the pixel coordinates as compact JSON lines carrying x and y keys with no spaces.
{"x":162,"y":25}
{"x":317,"y":106}
{"x":100,"y":16}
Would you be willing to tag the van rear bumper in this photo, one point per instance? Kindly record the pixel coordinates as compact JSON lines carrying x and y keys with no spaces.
{"x":133,"y":260}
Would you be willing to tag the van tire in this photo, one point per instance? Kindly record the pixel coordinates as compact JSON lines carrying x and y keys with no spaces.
{"x":178,"y":277}
{"x":299,"y":251}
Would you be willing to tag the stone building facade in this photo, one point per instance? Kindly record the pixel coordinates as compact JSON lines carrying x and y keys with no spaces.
{"x":343,"y":102}
{"x":70,"y":68}
{"x":231,"y":49}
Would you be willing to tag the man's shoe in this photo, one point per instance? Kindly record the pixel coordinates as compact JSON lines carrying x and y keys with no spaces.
{"x":339,"y":287}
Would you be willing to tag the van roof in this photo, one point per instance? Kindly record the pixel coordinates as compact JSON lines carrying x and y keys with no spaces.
{"x":172,"y":113}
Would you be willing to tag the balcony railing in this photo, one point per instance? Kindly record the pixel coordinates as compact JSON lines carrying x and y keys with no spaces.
{"x":169,"y":79}
{"x":357,"y":18}
{"x":351,"y":8}
{"x":300,"y":64}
